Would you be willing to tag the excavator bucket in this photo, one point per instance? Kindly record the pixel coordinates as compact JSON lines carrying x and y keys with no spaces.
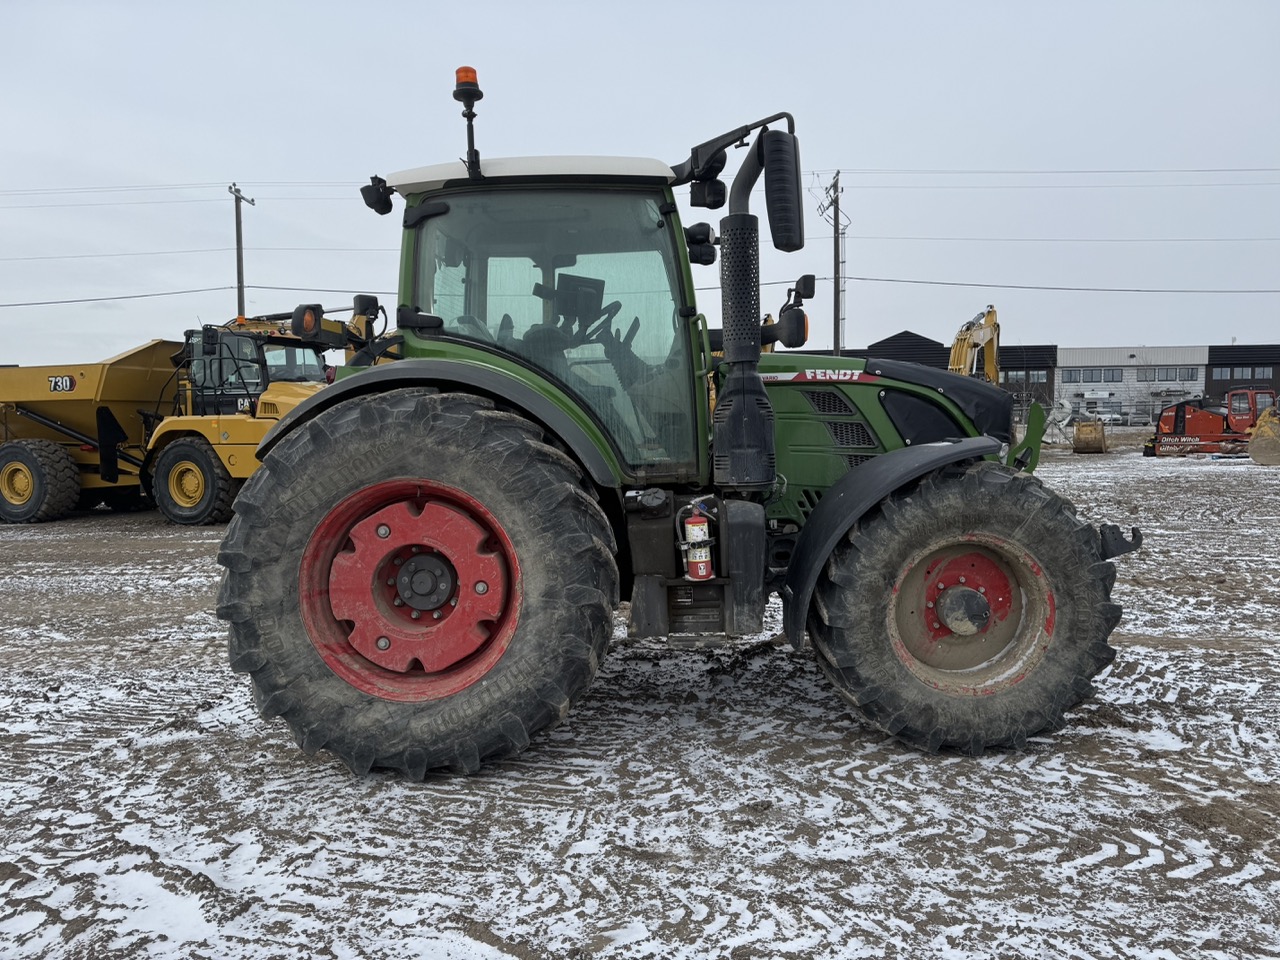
{"x":1264,"y":443}
{"x":1089,"y":437}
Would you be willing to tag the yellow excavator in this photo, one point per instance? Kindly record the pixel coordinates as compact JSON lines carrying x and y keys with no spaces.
{"x":978,"y":339}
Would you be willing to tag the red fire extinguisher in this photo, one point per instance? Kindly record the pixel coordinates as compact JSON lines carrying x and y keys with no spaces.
{"x":697,"y":548}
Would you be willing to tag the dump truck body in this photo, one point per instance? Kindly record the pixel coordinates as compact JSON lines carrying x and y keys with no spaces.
{"x":90,"y":407}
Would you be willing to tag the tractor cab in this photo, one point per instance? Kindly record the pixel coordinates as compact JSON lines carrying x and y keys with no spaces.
{"x":582,"y":284}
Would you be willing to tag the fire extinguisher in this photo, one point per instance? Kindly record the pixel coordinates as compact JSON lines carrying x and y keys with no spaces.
{"x":695,"y":543}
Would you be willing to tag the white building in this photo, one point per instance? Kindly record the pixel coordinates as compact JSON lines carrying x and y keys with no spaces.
{"x":1141,"y":380}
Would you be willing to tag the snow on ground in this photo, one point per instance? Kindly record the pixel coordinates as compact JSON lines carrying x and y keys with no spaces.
{"x":697,"y":803}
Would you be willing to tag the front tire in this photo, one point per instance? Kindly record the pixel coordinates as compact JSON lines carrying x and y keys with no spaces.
{"x":417,"y":581}
{"x":191,"y":485}
{"x":971,"y":612}
{"x":39,"y":481}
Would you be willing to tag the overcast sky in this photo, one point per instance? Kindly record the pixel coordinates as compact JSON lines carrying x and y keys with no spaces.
{"x":985,"y":148}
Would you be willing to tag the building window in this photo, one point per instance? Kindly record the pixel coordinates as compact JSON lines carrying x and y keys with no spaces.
{"x":1241,"y":373}
{"x":1091,"y":375}
{"x":1017,"y":376}
{"x":1113,"y":375}
{"x":1070,"y":376}
{"x":1167,"y":374}
{"x":1039,"y":376}
{"x":1262,"y":373}
{"x":1188,"y":373}
{"x":1222,"y":373}
{"x":1146,"y":374}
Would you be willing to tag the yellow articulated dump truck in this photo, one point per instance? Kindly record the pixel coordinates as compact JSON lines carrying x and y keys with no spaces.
{"x":169,"y":424}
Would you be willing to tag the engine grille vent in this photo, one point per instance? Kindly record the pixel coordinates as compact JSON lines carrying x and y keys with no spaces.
{"x":267,"y":409}
{"x":830,"y":403}
{"x":851,"y":434}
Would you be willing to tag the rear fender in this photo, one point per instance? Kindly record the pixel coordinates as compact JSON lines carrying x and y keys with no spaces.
{"x":848,"y":499}
{"x":445,"y":374}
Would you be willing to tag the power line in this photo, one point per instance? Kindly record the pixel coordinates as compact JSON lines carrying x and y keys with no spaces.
{"x":1020,"y":286}
{"x":170,"y":253}
{"x":1028,"y":286}
{"x":131,"y":296}
{"x":1053,"y":186}
{"x":1039,"y":173}
{"x":1070,"y":239}
{"x":42,"y":191}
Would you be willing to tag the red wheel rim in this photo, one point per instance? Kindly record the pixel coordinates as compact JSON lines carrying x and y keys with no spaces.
{"x":1012,"y":623}
{"x":409,"y":590}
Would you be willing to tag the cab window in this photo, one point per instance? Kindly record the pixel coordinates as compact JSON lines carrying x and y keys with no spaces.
{"x":584,"y":286}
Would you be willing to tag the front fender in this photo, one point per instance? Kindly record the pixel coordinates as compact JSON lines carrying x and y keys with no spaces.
{"x":848,"y":499}
{"x":446,"y":374}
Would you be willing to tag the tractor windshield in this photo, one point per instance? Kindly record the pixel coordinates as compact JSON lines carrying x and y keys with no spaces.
{"x":583,"y":285}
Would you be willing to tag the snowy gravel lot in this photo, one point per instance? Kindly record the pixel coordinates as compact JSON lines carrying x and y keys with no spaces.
{"x":697,"y":803}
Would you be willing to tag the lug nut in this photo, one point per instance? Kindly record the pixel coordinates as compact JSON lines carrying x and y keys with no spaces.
{"x":416,"y":614}
{"x":436,"y":615}
{"x":453,"y":602}
{"x":383,"y":643}
{"x":384,"y":531}
{"x":398,"y":602}
{"x":391,"y":581}
{"x":482,"y":588}
{"x":962,"y":579}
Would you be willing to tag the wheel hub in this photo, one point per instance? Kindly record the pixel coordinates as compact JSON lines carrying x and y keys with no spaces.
{"x":16,"y":483}
{"x":422,"y":586}
{"x":426,"y":581}
{"x":963,"y":610}
{"x":960,"y":608}
{"x":186,"y":484}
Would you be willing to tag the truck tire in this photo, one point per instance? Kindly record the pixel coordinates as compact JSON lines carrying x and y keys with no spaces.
{"x":39,"y":481}
{"x":191,"y":484}
{"x":415,"y":581}
{"x":970,"y":612}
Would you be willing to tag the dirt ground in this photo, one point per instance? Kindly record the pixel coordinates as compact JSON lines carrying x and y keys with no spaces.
{"x":696,"y":804}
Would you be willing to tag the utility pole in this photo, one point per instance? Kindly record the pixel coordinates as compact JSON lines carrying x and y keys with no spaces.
{"x":235,"y":192}
{"x":830,"y":211}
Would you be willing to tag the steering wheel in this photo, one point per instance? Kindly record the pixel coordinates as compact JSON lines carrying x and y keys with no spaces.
{"x":596,"y":328}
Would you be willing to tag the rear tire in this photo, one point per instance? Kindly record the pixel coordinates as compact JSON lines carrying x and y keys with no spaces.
{"x":191,"y":484}
{"x":970,"y":612}
{"x":39,"y":481}
{"x":510,"y":567}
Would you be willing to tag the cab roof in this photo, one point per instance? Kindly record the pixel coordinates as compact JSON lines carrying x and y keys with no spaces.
{"x":424,"y":179}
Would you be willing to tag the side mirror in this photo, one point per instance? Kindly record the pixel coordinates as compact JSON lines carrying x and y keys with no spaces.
{"x":805,"y":287}
{"x":209,"y":341}
{"x":791,"y":329}
{"x":701,"y":239}
{"x":377,"y":196}
{"x":411,"y":318}
{"x":783,"y":200}
{"x":708,"y":193}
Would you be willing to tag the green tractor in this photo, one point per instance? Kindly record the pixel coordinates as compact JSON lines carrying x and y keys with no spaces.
{"x":424,"y":572}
